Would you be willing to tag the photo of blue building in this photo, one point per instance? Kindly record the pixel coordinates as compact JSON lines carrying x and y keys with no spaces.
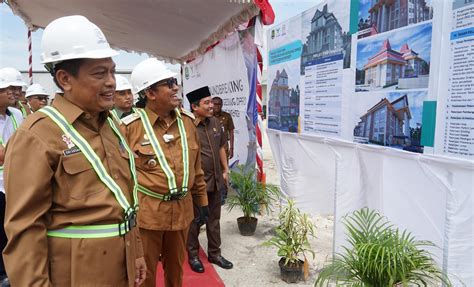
{"x":393,"y":122}
{"x":378,"y":16}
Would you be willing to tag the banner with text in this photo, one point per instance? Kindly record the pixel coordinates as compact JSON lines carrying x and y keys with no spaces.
{"x":223,"y":70}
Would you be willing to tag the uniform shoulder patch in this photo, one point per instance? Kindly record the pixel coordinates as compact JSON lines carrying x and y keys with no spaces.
{"x":130,"y":118}
{"x":188,"y":113}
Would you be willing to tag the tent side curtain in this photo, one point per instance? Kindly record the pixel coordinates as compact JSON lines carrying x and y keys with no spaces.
{"x":132,"y":28}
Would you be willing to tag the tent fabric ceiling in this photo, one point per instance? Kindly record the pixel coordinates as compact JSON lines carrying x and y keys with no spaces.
{"x":172,"y":30}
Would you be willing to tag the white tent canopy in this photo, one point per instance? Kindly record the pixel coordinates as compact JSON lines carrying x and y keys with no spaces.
{"x":172,"y":30}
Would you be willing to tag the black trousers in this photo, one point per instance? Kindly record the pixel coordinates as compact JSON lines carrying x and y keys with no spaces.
{"x":3,"y":236}
{"x":213,"y":228}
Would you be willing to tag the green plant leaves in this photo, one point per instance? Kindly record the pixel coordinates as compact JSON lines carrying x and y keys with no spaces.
{"x":292,"y":234}
{"x":380,"y":255}
{"x":251,"y":195}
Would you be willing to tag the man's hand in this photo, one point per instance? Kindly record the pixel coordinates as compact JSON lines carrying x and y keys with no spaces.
{"x":140,"y":267}
{"x":203,"y":215}
{"x":225,"y":175}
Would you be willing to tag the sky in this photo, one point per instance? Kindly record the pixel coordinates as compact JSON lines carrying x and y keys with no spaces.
{"x":418,"y":38}
{"x":14,"y":40}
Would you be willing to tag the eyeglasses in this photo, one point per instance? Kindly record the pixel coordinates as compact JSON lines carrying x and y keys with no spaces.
{"x":41,"y":98}
{"x":170,"y":82}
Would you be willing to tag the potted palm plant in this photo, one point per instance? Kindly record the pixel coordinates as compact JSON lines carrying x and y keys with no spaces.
{"x":291,"y":239}
{"x":251,"y":196}
{"x":381,"y":255}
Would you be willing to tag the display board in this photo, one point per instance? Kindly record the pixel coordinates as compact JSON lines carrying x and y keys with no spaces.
{"x":380,"y":115}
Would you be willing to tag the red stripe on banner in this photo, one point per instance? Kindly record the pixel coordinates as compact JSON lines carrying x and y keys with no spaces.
{"x":266,"y":10}
{"x":259,"y":163}
{"x":258,"y":132}
{"x":30,"y":59}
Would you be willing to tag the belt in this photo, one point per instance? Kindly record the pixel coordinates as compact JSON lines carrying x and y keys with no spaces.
{"x":96,"y":231}
{"x":164,"y":197}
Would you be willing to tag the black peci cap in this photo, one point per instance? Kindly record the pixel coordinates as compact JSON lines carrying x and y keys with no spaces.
{"x":198,"y":94}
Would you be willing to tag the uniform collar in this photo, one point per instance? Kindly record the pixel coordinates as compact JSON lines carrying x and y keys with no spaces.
{"x":153,"y":117}
{"x":72,"y":112}
{"x":198,"y":120}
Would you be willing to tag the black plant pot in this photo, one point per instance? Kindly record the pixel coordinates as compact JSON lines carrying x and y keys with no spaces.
{"x":291,"y":274}
{"x":247,"y":225}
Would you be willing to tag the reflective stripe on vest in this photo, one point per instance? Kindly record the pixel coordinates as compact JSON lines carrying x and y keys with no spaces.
{"x":15,"y":127}
{"x":161,"y":156}
{"x":23,"y":110}
{"x":164,"y":197}
{"x":91,"y":231}
{"x":115,"y":115}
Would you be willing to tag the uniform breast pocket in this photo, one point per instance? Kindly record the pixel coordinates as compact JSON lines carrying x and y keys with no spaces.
{"x":81,"y":179}
{"x":217,"y":136}
{"x":147,"y":159}
{"x":193,"y":151}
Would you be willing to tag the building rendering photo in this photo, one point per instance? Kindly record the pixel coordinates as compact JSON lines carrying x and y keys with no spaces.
{"x":388,"y":66}
{"x":326,"y":38}
{"x":378,"y":16}
{"x":387,"y":123}
{"x":396,"y":60}
{"x":283,"y":105}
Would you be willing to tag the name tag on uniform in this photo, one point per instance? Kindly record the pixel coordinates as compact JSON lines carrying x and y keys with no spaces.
{"x":71,"y":151}
{"x":167,"y":138}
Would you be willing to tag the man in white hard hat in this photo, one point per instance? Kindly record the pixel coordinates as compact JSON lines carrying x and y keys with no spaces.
{"x":13,"y":76}
{"x":37,"y":97}
{"x":72,"y":223}
{"x":10,"y":119}
{"x":169,"y":169}
{"x":123,"y":98}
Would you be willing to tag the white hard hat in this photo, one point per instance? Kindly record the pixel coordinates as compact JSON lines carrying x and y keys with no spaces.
{"x":122,"y":83}
{"x":10,"y":77}
{"x":35,"y":89}
{"x":73,"y":37}
{"x":149,"y":72}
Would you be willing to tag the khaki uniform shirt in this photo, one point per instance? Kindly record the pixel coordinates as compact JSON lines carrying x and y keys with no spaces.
{"x":48,"y":188}
{"x":212,"y":138}
{"x":154,"y":213}
{"x":227,"y":123}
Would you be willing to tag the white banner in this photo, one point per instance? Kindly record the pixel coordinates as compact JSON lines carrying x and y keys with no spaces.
{"x":223,"y":70}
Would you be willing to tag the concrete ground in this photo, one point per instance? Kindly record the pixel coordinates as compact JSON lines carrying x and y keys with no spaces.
{"x":256,"y":265}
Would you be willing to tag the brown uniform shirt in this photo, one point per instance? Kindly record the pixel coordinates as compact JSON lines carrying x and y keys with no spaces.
{"x":154,"y":213}
{"x":47,"y":189}
{"x":212,"y":138}
{"x":227,"y":123}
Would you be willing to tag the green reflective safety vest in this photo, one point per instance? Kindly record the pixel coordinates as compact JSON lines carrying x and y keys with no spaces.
{"x":107,"y":230}
{"x":23,"y":110}
{"x":173,"y":189}
{"x":15,"y":127}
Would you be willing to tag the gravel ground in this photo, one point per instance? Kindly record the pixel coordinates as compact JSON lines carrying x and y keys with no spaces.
{"x":257,"y":265}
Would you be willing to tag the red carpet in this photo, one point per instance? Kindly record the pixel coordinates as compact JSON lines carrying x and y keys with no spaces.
{"x":209,"y":278}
